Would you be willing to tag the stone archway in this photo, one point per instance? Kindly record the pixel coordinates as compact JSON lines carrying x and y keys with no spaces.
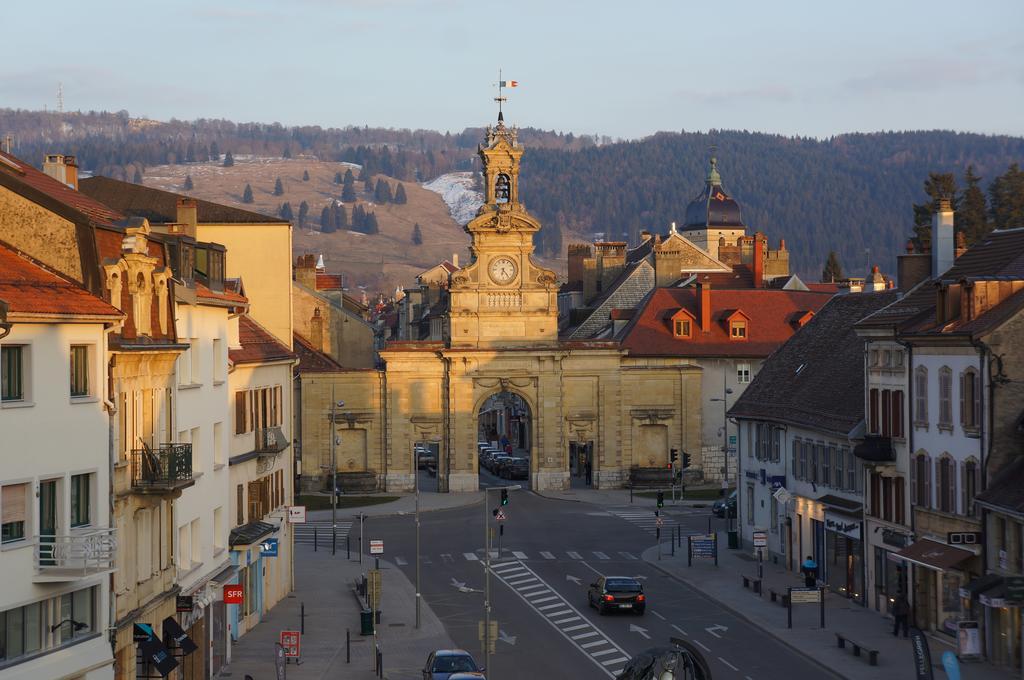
{"x":505,"y":424}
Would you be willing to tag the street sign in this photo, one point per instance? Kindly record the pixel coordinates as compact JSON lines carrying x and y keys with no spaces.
{"x":760,"y":539}
{"x":376,"y":546}
{"x":183,"y":604}
{"x":492,"y":637}
{"x":142,"y":632}
{"x":659,"y":522}
{"x":804,"y":596}
{"x":268,"y":547}
{"x":234,"y":594}
{"x":500,"y":516}
{"x":291,"y":641}
{"x":297,"y":514}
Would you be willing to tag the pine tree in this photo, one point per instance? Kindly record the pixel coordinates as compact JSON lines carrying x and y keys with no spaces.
{"x":337,"y":178}
{"x":326,"y":220}
{"x":1006,"y":198}
{"x":833,"y":271}
{"x":371,"y":226}
{"x":247,"y":194}
{"x":400,"y":198}
{"x":364,"y":174}
{"x":417,"y":235}
{"x":303,"y":213}
{"x":340,"y":217}
{"x":188,"y":183}
{"x":937,"y":186}
{"x":972,"y":216}
{"x":278,"y":187}
{"x":229,"y":160}
{"x":214,"y":151}
{"x":382,"y":192}
{"x":305,"y":175}
{"x":348,"y":190}
{"x":367,"y":186}
{"x":287,"y":153}
{"x":286,"y":211}
{"x":349,"y":177}
{"x":137,"y":177}
{"x":190,"y":152}
{"x":358,"y":218}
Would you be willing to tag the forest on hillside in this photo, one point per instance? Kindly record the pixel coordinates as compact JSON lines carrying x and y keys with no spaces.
{"x":853,"y":193}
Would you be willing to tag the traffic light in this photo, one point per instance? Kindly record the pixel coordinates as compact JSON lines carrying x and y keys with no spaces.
{"x":504,"y":496}
{"x":686,"y":460}
{"x":673,"y":455}
{"x":661,"y":499}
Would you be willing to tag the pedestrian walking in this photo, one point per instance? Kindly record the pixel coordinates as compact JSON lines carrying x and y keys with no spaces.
{"x":810,"y":571}
{"x":900,"y":615}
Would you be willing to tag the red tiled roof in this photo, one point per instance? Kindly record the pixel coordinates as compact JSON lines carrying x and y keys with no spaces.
{"x":227,"y":296}
{"x":770,"y":313}
{"x":54,"y":189}
{"x":450,"y":267}
{"x":312,"y":360}
{"x":28,"y":288}
{"x":258,"y":344}
{"x":740,"y":277}
{"x":622,"y":314}
{"x":329,"y":281}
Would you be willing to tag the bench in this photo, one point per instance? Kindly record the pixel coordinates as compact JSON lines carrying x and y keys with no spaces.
{"x":780,"y":597}
{"x":841,"y":640}
{"x":752,"y":582}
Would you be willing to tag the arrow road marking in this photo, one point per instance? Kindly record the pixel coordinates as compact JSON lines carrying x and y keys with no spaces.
{"x":458,"y":584}
{"x":505,"y":637}
{"x":717,"y":627}
{"x":462,"y":587}
{"x":574,"y":579}
{"x":633,"y":628}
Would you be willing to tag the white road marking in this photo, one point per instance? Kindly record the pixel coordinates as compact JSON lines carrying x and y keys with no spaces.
{"x":628,"y":556}
{"x":533,"y":587}
{"x":564,"y":611}
{"x":545,"y":599}
{"x":520,"y":578}
{"x":426,"y":560}
{"x":600,"y":555}
{"x":573,"y":555}
{"x":591,"y":568}
{"x":519,"y":555}
{"x":728,"y":664}
{"x":400,"y":561}
{"x":446,"y":558}
{"x":546,"y":555}
{"x":713,"y":630}
{"x":550,"y":606}
{"x":585,"y":635}
{"x":703,"y":646}
{"x":596,"y":643}
{"x":604,"y":651}
{"x":566,"y":620}
{"x":470,"y":556}
{"x":679,"y":629}
{"x":658,"y":615}
{"x":611,"y":661}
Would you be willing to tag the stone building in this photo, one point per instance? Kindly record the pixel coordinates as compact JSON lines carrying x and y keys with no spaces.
{"x":330,"y":319}
{"x":587,"y":403}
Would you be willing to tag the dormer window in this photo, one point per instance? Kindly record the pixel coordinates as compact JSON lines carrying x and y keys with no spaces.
{"x":682,"y":324}
{"x":738,"y":330}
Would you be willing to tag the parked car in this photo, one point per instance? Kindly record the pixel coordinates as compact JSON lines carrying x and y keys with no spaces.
{"x":514,"y":468}
{"x":617,"y":593}
{"x":451,"y":664}
{"x":719,"y":507}
{"x":495,"y":461}
{"x":424,"y":458}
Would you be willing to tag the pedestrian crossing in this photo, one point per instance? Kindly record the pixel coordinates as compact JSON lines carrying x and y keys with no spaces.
{"x":646,"y":520}
{"x":521,"y":555}
{"x":304,"y":533}
{"x":563,"y":616}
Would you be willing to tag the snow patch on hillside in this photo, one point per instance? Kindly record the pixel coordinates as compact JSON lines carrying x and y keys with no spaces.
{"x":456,"y":189}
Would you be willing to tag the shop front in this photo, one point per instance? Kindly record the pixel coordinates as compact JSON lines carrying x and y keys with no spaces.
{"x":887,"y":574}
{"x":844,"y":555}
{"x":939,"y":572}
{"x":1003,"y":625}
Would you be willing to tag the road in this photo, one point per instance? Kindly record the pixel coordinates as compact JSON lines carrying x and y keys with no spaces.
{"x":550,"y":552}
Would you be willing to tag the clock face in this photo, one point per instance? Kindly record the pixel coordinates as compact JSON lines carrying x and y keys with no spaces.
{"x":502,"y":270}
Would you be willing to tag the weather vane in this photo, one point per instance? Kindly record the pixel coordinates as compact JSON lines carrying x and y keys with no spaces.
{"x":502,"y":84}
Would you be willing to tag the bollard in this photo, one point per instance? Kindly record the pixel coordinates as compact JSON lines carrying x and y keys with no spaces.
{"x":348,"y":646}
{"x":673,"y":542}
{"x":334,"y":539}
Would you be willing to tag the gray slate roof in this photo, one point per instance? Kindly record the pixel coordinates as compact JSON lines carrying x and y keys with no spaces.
{"x":816,"y":379}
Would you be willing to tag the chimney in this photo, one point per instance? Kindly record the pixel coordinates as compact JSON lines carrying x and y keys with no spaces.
{"x":942,"y":238}
{"x":455,"y":260}
{"x":305,"y":271}
{"x":316,"y":330}
{"x":64,"y":169}
{"x":188,"y":215}
{"x":704,"y":305}
{"x":759,"y":245}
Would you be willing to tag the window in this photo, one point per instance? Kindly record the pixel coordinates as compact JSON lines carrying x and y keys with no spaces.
{"x":853,"y":478}
{"x":196,"y":437}
{"x":12,"y":372}
{"x":775,"y":515}
{"x":969,"y":484}
{"x":873,"y":412}
{"x":886,"y":358}
{"x":239,"y":505}
{"x":804,"y":452}
{"x":887,"y":499}
{"x":241,"y":412}
{"x":921,"y":395}
{"x":14,"y":511}
{"x":502,"y":188}
{"x":738,"y":330}
{"x":81,"y":489}
{"x":826,"y":463}
{"x":921,"y":481}
{"x":79,"y":371}
{"x":743,"y":373}
{"x":876,"y":495}
{"x":946,"y":397}
{"x":897,"y":359}
{"x":777,"y":444}
{"x":750,"y":503}
{"x":886,"y":413}
{"x":251,"y":587}
{"x":144,"y":544}
{"x":897,"y":414}
{"x":814,"y":461}
{"x":837,"y":466}
{"x":21,"y":631}
{"x":796,"y":459}
{"x":947,"y":485}
{"x":873,"y":357}
{"x":683,"y":328}
{"x":218,"y":360}
{"x":900,"y":498}
{"x":970,"y":399}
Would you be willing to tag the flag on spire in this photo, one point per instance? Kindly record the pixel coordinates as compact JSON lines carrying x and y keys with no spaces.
{"x":509,"y":83}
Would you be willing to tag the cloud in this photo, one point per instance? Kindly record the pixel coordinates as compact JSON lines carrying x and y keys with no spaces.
{"x":919,"y":75}
{"x":763,"y":93}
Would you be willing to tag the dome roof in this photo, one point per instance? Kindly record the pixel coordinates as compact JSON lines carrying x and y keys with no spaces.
{"x":713,"y":207}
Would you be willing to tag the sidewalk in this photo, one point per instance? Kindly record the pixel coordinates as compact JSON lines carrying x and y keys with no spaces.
{"x":324,"y":584}
{"x":724,"y":584}
{"x":617,"y":497}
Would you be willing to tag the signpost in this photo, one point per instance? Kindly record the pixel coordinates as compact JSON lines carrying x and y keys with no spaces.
{"x":291,"y":643}
{"x":183,"y":604}
{"x":490,"y":638}
{"x":269,"y":547}
{"x":234,"y":593}
{"x":701,"y":545}
{"x":760,"y":539}
{"x":373,"y":589}
{"x":376,"y":546}
{"x":297,"y":514}
{"x":805,"y":596}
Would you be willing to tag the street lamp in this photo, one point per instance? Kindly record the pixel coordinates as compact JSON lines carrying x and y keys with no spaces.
{"x":335,"y":439}
{"x":726,"y":391}
{"x":76,"y":625}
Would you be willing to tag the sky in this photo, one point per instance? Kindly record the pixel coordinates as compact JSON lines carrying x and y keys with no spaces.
{"x":621,"y":69}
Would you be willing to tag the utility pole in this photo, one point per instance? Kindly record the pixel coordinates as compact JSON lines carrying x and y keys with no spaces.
{"x":416,"y":472}
{"x":335,"y":404}
{"x":487,"y":584}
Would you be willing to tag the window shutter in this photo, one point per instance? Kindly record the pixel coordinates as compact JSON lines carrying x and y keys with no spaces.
{"x":278,"y":398}
{"x":796,"y":459}
{"x":13,"y":500}
{"x":240,"y":412}
{"x":963,"y":403}
{"x":913,"y":480}
{"x":977,"y":400}
{"x":927,"y":501}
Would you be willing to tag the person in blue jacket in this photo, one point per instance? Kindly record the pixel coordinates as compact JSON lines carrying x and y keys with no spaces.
{"x":810,"y":571}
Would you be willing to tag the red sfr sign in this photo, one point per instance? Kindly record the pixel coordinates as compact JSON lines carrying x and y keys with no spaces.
{"x":234,"y":594}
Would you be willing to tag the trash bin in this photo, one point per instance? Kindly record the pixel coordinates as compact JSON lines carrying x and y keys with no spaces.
{"x":366,"y":622}
{"x":734,"y":540}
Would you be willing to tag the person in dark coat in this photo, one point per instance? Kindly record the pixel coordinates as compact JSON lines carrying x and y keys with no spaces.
{"x":810,"y":571}
{"x":900,"y":615}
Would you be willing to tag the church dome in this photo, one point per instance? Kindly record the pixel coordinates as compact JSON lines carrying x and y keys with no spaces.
{"x":713,"y":208}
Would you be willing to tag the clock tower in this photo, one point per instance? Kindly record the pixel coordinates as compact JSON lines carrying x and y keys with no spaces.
{"x":503,"y":299}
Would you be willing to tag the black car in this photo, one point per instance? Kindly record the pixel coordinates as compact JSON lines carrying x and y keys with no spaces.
{"x":617,"y":593}
{"x":517,"y":468}
{"x":447,"y":663}
{"x":722,"y":504}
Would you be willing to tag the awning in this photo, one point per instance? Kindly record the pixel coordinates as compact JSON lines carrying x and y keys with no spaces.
{"x":934,"y":555}
{"x":996,"y":597}
{"x":876,"y":449}
{"x":980,"y":585}
{"x":250,"y":533}
{"x":844,"y":505}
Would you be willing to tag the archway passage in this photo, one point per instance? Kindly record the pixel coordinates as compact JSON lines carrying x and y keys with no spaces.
{"x":429,"y":464}
{"x":505,"y":441}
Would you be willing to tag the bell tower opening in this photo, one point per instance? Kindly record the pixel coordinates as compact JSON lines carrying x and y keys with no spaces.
{"x":502,"y":188}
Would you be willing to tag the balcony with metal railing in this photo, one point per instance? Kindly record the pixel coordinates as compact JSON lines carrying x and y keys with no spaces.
{"x":270,"y":441}
{"x":66,"y":558}
{"x":162,"y":469}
